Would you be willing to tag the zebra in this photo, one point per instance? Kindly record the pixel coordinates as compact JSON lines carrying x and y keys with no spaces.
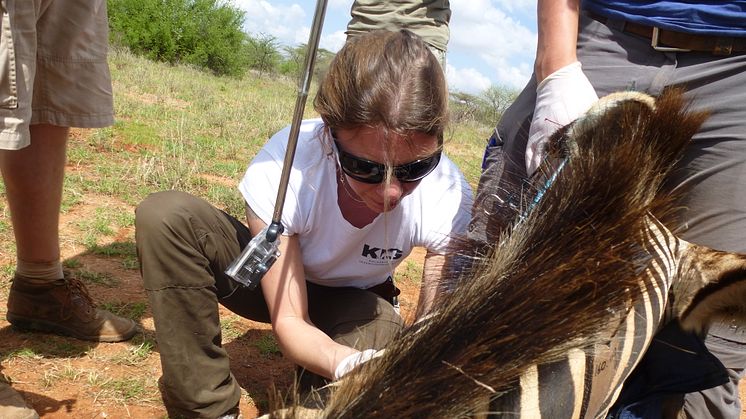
{"x":553,"y":320}
{"x":596,"y":376}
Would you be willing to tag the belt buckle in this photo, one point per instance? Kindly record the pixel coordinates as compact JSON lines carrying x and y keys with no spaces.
{"x":654,"y":43}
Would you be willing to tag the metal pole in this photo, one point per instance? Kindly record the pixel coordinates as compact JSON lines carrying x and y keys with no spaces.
{"x":262,"y":251}
{"x":300,"y":104}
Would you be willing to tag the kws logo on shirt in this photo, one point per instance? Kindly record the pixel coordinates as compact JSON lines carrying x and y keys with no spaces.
{"x":376,"y":254}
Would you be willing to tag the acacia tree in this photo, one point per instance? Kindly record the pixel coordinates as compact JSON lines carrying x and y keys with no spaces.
{"x":496,"y":99}
{"x":463,"y":106}
{"x":295,"y":58}
{"x":263,"y":53}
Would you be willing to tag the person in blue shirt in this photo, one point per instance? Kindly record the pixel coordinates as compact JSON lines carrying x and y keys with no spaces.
{"x":587,"y":49}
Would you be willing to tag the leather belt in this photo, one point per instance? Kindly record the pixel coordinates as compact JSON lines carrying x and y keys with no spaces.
{"x":386,"y":290}
{"x":671,"y":41}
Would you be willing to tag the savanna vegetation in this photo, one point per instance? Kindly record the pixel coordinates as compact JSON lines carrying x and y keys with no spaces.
{"x":210,"y":35}
{"x":179,"y":126}
{"x":195,"y":99}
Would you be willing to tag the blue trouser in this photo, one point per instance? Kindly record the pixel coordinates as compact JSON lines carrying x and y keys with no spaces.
{"x":647,"y":390}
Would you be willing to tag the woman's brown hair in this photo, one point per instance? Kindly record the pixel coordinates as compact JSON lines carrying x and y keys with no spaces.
{"x":386,"y":79}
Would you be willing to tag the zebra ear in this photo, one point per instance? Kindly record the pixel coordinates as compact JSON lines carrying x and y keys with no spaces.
{"x":562,"y":143}
{"x":711,"y":287}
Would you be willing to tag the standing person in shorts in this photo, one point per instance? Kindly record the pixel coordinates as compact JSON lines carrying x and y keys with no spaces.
{"x":53,"y":75}
{"x":427,"y":19}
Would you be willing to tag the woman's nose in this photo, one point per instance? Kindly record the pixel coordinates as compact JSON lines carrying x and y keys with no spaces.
{"x":392,"y":190}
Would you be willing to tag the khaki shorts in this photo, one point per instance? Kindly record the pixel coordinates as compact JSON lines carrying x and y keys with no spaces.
{"x":53,"y":67}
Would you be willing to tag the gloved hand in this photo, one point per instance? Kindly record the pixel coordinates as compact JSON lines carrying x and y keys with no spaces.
{"x":560,"y":99}
{"x":355,"y":360}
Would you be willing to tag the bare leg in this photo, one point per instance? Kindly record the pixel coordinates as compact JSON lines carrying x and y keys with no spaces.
{"x":45,"y":300}
{"x":33,"y":180}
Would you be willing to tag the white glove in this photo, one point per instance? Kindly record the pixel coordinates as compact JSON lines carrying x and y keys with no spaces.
{"x":560,"y":99}
{"x":353,"y":361}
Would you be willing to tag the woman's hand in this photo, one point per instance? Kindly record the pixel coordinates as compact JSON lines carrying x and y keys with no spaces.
{"x":355,"y":360}
{"x":560,"y":99}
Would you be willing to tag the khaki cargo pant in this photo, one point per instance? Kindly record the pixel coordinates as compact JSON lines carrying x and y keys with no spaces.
{"x":185,"y":244}
{"x":53,"y":67}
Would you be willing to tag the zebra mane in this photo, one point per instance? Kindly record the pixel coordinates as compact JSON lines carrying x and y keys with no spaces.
{"x":553,"y":282}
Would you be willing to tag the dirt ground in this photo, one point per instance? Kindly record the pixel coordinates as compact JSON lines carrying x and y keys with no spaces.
{"x":66,"y":378}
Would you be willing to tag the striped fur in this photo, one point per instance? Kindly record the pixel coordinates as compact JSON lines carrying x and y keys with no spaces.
{"x":557,"y":316}
{"x":586,"y":383}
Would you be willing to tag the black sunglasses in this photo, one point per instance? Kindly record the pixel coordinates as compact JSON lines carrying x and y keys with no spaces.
{"x":367,"y":171}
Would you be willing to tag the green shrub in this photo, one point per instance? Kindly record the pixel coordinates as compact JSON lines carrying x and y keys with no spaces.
{"x":203,"y":33}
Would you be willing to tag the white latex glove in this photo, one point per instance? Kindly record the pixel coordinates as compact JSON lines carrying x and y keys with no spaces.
{"x":355,"y":360}
{"x":560,"y":99}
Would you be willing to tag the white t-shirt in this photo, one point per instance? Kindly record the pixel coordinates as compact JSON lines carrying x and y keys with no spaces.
{"x":336,"y":253}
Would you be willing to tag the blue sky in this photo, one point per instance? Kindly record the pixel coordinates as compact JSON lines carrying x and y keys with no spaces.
{"x":492,"y":41}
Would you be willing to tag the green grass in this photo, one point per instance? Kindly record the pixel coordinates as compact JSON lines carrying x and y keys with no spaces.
{"x":72,"y":263}
{"x":117,"y":249}
{"x":230,"y":327}
{"x":59,"y":373}
{"x":23,"y":353}
{"x":136,"y":354}
{"x":131,"y":310}
{"x":409,"y":271}
{"x":134,"y":390}
{"x":125,"y":251}
{"x":100,"y":278}
{"x":127,"y":389}
{"x":7,"y":272}
{"x":465,"y":144}
{"x":47,"y":348}
{"x":96,"y":227}
{"x":267,"y":345}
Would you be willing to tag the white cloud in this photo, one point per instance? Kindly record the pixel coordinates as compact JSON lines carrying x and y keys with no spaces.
{"x":329,"y":41}
{"x":333,"y":41}
{"x":490,"y":39}
{"x":503,"y":43}
{"x":290,"y":23}
{"x":515,"y":77}
{"x":466,"y":80}
{"x":339,"y":4}
{"x":284,"y":22}
{"x":517,"y":6}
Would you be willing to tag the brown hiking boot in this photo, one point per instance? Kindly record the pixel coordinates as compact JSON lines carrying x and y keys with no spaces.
{"x":64,"y":307}
{"x":12,"y":405}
